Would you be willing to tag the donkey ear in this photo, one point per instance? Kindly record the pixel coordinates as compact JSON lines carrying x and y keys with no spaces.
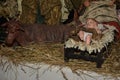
{"x":21,"y":29}
{"x":4,"y":24}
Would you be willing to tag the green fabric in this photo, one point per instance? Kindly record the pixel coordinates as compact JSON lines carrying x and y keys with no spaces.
{"x":39,"y":17}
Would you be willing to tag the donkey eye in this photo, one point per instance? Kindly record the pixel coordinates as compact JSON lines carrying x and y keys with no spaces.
{"x":6,"y":32}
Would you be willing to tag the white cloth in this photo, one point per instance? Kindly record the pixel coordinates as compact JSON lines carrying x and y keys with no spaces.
{"x":101,"y":27}
{"x":86,"y":34}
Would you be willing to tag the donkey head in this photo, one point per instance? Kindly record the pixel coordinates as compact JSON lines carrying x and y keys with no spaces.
{"x":13,"y":29}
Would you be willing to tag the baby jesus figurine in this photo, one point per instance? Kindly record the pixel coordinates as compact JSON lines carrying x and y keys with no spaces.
{"x":92,"y":30}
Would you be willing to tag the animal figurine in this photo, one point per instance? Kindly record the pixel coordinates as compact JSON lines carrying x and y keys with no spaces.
{"x":23,"y":34}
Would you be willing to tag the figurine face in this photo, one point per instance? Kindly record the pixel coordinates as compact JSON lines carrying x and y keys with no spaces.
{"x":118,"y":12}
{"x":91,"y":23}
{"x":86,"y":3}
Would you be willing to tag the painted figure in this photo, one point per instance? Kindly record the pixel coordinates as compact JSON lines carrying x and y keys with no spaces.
{"x":88,"y":35}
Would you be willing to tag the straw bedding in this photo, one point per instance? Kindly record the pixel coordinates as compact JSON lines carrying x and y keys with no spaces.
{"x":52,"y":53}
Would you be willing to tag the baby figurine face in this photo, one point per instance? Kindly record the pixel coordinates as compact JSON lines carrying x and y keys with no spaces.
{"x":91,"y":23}
{"x":86,"y":3}
{"x":118,"y":13}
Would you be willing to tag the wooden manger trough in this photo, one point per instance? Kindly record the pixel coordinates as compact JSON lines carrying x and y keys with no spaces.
{"x":95,"y":52}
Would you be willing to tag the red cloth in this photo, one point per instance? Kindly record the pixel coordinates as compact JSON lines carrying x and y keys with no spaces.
{"x":113,"y":23}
